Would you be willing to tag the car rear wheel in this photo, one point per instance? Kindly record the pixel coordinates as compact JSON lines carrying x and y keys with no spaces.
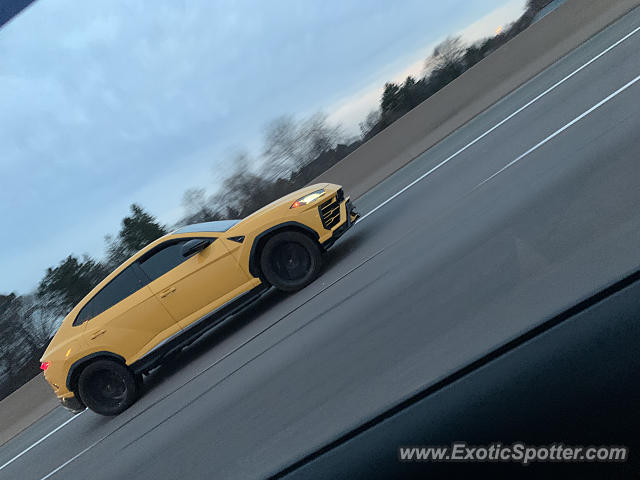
{"x":290,"y":261}
{"x":108,"y":387}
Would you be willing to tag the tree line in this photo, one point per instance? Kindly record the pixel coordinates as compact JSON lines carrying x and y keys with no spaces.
{"x":293,"y":153}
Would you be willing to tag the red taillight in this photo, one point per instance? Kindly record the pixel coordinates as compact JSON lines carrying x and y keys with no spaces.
{"x":44,"y":366}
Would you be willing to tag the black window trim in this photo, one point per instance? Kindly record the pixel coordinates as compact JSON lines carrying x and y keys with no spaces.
{"x":143,"y":278}
{"x":137,"y":271}
{"x":161,"y":246}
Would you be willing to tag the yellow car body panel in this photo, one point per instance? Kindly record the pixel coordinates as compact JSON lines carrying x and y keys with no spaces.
{"x":177,"y":301}
{"x":194,"y":287}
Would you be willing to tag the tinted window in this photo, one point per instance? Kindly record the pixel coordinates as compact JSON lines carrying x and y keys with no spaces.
{"x":118,"y":289}
{"x":163,"y":260}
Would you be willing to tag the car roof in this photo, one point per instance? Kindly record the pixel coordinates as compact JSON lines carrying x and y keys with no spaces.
{"x":217,"y":226}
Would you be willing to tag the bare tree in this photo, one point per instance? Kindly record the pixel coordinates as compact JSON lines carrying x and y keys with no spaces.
{"x":283,"y":145}
{"x":41,"y":322}
{"x":19,"y":340}
{"x":197,"y":207}
{"x":318,"y":136}
{"x":370,"y":122}
{"x":290,"y":145}
{"x":447,"y":53}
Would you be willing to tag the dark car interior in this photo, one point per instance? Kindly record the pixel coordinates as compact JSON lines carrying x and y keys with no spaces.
{"x":573,"y":379}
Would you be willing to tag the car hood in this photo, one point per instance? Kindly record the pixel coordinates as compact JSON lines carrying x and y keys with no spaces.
{"x":282,"y":201}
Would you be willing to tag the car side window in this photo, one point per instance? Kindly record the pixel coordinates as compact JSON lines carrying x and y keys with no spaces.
{"x":161,"y":261}
{"x":125,"y":284}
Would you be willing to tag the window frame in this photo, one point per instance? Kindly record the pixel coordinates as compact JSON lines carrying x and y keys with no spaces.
{"x":162,"y":246}
{"x":140,"y":274}
{"x":142,"y":282}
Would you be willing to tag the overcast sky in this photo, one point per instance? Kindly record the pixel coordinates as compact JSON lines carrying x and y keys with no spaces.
{"x":106,"y":103}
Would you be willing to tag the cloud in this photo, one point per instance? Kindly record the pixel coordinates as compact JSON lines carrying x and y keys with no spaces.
{"x":352,"y":109}
{"x":497,"y":19}
{"x":105,"y":103}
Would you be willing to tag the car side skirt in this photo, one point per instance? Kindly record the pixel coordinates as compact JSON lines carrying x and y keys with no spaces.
{"x":188,"y":335}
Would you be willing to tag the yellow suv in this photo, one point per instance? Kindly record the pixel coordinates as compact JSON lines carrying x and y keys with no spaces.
{"x":179,"y":286}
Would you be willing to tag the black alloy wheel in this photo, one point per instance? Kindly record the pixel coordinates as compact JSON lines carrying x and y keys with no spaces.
{"x":291,"y":260}
{"x":108,"y":387}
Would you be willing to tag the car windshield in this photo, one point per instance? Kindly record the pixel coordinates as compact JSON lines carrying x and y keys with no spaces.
{"x":217,"y":226}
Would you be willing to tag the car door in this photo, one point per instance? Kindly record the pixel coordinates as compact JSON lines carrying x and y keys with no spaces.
{"x":191,"y":287}
{"x":125,"y":317}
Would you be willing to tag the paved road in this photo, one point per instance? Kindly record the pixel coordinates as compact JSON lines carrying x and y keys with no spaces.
{"x":437,"y":277}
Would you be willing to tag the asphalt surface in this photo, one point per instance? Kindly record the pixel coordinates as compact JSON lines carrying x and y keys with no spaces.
{"x":444,"y":273}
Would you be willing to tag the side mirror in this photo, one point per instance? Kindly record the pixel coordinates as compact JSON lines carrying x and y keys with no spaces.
{"x":194,"y":246}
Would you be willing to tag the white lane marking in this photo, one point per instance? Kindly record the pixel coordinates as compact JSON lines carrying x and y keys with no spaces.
{"x":224,"y":357}
{"x":561,"y":129}
{"x":502,"y":122}
{"x":40,"y":441}
{"x":53,"y":472}
{"x":555,"y":85}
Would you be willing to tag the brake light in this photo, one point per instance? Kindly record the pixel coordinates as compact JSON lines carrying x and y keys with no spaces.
{"x":44,"y":366}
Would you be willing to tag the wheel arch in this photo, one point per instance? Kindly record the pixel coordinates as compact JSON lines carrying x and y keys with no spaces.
{"x":76,"y":368}
{"x":261,"y":239}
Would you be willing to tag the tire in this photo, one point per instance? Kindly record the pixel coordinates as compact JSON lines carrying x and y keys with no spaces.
{"x":108,"y":387}
{"x":290,"y":261}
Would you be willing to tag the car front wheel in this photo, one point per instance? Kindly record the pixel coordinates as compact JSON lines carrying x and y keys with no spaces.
{"x":291,"y":260}
{"x":107,"y":387}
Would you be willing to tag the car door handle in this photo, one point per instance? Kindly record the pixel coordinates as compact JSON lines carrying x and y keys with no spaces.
{"x":97,"y":333}
{"x":167,"y":292}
